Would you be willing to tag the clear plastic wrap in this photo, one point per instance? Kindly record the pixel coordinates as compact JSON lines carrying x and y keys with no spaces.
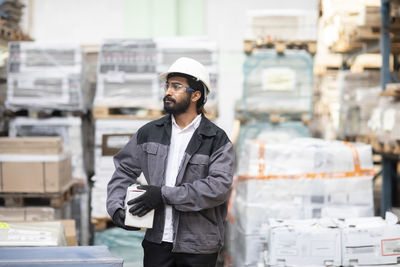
{"x":69,"y":128}
{"x":278,"y":83}
{"x":49,"y":76}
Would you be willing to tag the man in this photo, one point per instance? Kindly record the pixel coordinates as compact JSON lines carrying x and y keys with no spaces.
{"x":188,"y":164}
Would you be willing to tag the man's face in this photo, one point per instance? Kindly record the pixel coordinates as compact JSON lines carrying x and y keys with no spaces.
{"x":176,"y":99}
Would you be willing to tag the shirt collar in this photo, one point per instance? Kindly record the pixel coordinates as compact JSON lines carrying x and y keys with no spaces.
{"x":195,"y":123}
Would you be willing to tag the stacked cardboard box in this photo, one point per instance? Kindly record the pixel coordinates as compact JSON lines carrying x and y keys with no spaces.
{"x":110,"y":137}
{"x":34,"y":165}
{"x":69,"y":128}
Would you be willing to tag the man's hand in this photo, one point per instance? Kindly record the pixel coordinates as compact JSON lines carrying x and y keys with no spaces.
{"x":119,"y":220}
{"x":149,"y":200}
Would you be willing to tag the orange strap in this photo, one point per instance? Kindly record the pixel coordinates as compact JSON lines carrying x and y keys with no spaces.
{"x":358,"y":172}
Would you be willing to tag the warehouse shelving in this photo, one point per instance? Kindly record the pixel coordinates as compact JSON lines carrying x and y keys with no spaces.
{"x":389,"y":161}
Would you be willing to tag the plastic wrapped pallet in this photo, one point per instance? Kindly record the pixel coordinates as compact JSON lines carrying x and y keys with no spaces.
{"x":359,"y":92}
{"x":283,"y":25}
{"x":275,"y":83}
{"x":300,"y":178}
{"x":46,"y":76}
{"x":69,"y":128}
{"x":198,"y":48}
{"x":110,"y":137}
{"x":384,"y":121}
{"x":270,"y":133}
{"x":126,"y":75}
{"x":32,"y":234}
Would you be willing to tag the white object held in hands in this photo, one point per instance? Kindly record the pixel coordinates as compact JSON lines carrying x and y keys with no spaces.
{"x":132,"y":220}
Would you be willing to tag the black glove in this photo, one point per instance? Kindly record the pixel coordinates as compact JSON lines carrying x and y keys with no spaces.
{"x":119,"y":220}
{"x":149,"y":200}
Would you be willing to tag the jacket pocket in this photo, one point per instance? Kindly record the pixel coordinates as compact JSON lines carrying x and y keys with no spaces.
{"x":197,"y":168}
{"x":152,"y":158}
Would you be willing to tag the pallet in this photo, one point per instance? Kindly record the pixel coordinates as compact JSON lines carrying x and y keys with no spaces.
{"x":126,"y":113}
{"x":43,"y":113}
{"x":101,"y":223}
{"x":273,"y":117}
{"x":367,"y":62}
{"x":366,"y":33}
{"x":392,"y":89}
{"x":323,"y":63}
{"x":280,"y":46}
{"x":55,"y":200}
{"x":378,"y":146}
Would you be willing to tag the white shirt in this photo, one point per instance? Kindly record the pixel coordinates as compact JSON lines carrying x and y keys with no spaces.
{"x":179,"y":141}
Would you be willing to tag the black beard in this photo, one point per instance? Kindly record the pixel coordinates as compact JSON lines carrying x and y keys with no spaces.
{"x":175,"y":108}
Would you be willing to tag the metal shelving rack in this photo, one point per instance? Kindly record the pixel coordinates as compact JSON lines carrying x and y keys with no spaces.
{"x":389,"y":161}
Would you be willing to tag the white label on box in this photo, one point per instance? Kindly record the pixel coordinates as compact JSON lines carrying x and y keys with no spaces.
{"x":360,"y":250}
{"x":391,"y":247}
{"x":278,"y":79}
{"x":117,"y":141}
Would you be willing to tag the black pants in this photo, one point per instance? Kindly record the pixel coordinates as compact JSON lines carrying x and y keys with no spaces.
{"x":161,"y":255}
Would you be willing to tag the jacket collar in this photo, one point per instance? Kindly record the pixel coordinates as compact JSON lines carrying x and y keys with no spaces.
{"x":206,"y":127}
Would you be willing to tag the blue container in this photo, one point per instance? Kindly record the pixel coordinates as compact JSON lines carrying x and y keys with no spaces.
{"x":278,"y":83}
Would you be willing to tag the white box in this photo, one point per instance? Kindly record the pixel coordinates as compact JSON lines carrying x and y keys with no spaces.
{"x":130,"y":220}
{"x":369,"y":241}
{"x":304,"y":243}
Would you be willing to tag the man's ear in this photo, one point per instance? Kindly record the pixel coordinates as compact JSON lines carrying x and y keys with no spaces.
{"x":196,"y":96}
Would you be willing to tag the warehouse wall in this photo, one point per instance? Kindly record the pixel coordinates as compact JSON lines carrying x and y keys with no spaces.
{"x":91,"y":21}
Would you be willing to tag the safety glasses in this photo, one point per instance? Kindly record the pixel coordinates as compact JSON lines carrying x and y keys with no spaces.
{"x":177,"y":87}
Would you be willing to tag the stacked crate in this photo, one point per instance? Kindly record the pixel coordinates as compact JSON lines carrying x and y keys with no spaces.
{"x":275,"y":108}
{"x":127,"y":97}
{"x":35,"y":183}
{"x":50,"y":72}
{"x":110,"y":136}
{"x":296,"y":178}
{"x":48,"y":95}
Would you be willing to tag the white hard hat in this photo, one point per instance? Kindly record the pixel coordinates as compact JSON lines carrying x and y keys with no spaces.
{"x":190,"y":67}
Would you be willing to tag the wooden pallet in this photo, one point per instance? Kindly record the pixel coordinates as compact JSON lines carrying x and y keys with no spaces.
{"x":101,"y":223}
{"x":368,"y":61}
{"x":55,"y":200}
{"x":280,"y":46}
{"x":366,"y":33}
{"x":392,"y":89}
{"x":323,"y":63}
{"x":43,"y":113}
{"x":273,"y":117}
{"x":126,"y":113}
{"x":135,"y":113}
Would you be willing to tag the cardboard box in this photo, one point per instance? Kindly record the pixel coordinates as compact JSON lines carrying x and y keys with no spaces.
{"x":35,"y":173}
{"x":113,"y":143}
{"x":31,"y":145}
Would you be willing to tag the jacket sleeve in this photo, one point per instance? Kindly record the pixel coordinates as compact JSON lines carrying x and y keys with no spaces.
{"x":209,"y":192}
{"x":127,"y":170}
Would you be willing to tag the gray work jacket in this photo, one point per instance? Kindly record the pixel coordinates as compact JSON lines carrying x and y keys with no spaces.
{"x":199,"y":198}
